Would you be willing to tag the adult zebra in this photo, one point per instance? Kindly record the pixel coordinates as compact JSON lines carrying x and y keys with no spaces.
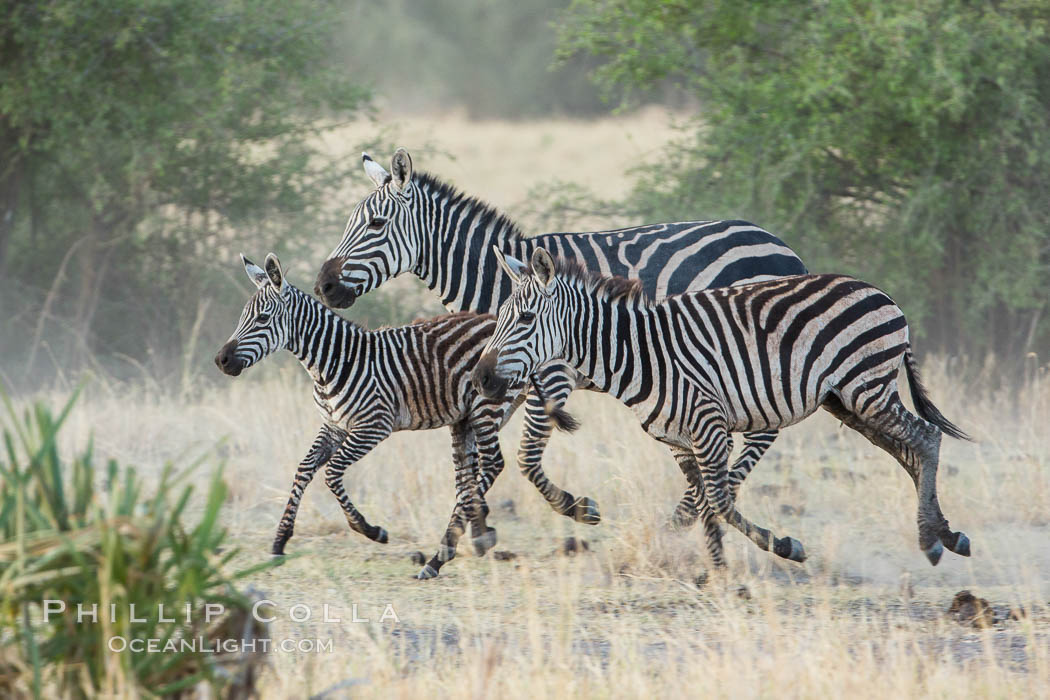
{"x":368,"y":384}
{"x":414,"y":223}
{"x":697,"y":366}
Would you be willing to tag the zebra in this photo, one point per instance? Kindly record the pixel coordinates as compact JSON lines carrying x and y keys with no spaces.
{"x":415,"y":223}
{"x":368,"y":384}
{"x":697,"y":366}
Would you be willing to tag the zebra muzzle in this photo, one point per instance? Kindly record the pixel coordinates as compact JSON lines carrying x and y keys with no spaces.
{"x":332,"y":289}
{"x":227,"y":360}
{"x":486,"y":380}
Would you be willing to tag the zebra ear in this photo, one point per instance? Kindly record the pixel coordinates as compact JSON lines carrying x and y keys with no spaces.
{"x":255,"y":273}
{"x":543,"y":267}
{"x":511,"y":265}
{"x":401,"y":167}
{"x":274,"y":271}
{"x":375,"y":171}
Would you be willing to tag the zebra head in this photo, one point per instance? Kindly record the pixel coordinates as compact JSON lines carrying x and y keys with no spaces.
{"x":527,"y":333}
{"x":380,"y":240}
{"x":265,"y":322}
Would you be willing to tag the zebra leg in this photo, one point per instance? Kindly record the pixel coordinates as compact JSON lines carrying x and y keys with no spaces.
{"x":465,"y":458}
{"x":687,"y":511}
{"x":712,"y":530}
{"x":786,"y":547}
{"x":485,"y":426}
{"x":915,"y":444}
{"x":710,"y":448}
{"x":755,"y":445}
{"x":359,"y":442}
{"x":325,"y":444}
{"x":545,"y":400}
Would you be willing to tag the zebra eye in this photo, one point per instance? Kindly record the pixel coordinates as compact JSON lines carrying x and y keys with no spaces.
{"x":526,"y":317}
{"x":376,"y":223}
{"x":262,"y":318}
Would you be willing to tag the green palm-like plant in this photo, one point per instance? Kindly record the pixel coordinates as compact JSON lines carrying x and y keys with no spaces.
{"x":67,"y":535}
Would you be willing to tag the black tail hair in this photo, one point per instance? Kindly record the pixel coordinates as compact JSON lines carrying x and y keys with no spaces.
{"x":563,"y":420}
{"x":924,"y":406}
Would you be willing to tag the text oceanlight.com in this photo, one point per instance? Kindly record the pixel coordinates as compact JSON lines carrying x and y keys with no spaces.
{"x":262,"y":611}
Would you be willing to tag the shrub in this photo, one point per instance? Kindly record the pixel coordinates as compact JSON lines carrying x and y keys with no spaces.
{"x":67,"y":535}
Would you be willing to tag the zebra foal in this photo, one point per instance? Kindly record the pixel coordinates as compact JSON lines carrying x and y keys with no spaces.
{"x":369,"y":384}
{"x":696,"y":367}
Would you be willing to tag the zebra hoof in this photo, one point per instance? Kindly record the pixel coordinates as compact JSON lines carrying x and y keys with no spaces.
{"x":381,"y":536}
{"x":484,"y":542}
{"x":586,"y":511}
{"x":962,"y":545}
{"x":789,"y":548}
{"x":934,"y":552}
{"x":427,"y":572}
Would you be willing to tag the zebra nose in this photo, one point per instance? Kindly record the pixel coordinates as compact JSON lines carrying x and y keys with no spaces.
{"x":485,"y":379}
{"x":226,"y":358}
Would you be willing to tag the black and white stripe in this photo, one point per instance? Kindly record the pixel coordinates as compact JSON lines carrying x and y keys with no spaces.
{"x":414,"y":223}
{"x":369,"y":384}
{"x":696,"y":367}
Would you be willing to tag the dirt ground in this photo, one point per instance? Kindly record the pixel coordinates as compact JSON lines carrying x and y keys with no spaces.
{"x":621,"y":616}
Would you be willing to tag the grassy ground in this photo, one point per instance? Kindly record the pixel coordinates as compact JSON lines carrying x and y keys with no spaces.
{"x":864,"y":616}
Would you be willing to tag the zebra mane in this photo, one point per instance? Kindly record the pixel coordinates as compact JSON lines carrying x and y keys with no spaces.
{"x":490,"y":215}
{"x":309,"y":300}
{"x":447,"y":316}
{"x":610,"y":288}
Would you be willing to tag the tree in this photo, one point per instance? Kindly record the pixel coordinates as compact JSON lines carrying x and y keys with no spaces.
{"x":136,"y":134}
{"x":904,"y":142}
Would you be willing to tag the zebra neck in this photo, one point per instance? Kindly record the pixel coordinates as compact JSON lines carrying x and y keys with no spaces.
{"x":456,"y":260}
{"x":321,"y":339}
{"x":607,"y":342}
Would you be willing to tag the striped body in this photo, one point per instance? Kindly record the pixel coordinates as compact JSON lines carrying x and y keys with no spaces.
{"x":418,"y":225}
{"x":696,"y":367}
{"x":369,"y":384}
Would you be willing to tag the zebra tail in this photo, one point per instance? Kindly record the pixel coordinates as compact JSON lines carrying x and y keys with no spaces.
{"x":563,"y":420}
{"x":924,"y":406}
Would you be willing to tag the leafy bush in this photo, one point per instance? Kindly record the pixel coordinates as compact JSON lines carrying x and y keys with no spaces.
{"x":64,"y":536}
{"x":907,"y":143}
{"x":141,"y":141}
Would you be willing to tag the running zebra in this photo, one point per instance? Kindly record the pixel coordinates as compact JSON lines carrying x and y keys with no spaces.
{"x":414,"y":223}
{"x":369,"y":384}
{"x":696,"y":367}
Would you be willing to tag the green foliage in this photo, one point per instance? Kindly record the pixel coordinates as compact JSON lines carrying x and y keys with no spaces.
{"x":64,"y":536}
{"x":136,"y":136}
{"x":907,"y":143}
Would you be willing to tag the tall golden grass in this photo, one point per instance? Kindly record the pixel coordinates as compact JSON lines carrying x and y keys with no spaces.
{"x":863,"y":616}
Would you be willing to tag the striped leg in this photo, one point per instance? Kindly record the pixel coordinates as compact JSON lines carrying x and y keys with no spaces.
{"x":485,"y":424}
{"x":710,"y":448}
{"x":359,"y":442}
{"x":325,"y":445}
{"x":786,"y":548}
{"x":465,"y":457}
{"x":553,"y":384}
{"x":755,"y":445}
{"x":712,"y":530}
{"x":915,"y":444}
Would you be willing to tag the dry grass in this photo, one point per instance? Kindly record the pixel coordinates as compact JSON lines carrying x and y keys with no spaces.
{"x":864,"y":616}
